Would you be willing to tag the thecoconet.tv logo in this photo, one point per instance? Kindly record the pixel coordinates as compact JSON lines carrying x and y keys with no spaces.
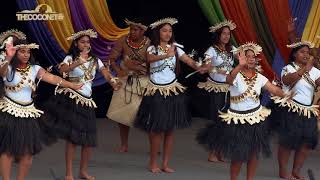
{"x":43,"y":12}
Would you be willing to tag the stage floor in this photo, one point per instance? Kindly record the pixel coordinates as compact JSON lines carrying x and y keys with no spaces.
{"x":189,"y":159}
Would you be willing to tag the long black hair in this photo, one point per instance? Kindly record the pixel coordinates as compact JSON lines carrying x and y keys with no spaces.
{"x":215,"y":38}
{"x":74,"y":51}
{"x":294,"y":51}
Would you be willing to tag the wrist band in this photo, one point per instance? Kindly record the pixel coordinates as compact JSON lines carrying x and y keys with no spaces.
{"x":58,"y":84}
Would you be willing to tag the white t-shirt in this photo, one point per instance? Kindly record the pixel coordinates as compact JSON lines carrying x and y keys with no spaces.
{"x":221,"y":60}
{"x":239,"y":87}
{"x":166,"y":74}
{"x":304,"y":90}
{"x":24,"y":95}
{"x":78,"y":72}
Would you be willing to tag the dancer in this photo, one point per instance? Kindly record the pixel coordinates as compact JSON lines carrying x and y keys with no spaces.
{"x":297,"y":118}
{"x":75,"y":119}
{"x":164,"y":105}
{"x":21,"y":136}
{"x":215,"y":89}
{"x":241,"y":134}
{"x":132,"y":72}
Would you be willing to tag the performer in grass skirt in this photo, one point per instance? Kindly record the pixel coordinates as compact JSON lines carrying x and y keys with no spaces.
{"x":164,"y":107}
{"x":133,"y":73}
{"x":220,"y":56}
{"x":297,"y":118}
{"x":73,"y":111}
{"x":214,"y":92}
{"x":241,"y":134}
{"x":21,"y":133}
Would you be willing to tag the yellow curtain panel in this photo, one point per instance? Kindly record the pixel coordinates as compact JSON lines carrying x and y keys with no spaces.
{"x":100,"y":17}
{"x":312,"y":28}
{"x":60,"y":29}
{"x":98,"y":13}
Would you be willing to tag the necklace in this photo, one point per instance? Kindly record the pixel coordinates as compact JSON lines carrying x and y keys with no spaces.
{"x":133,"y":45}
{"x":163,"y":50}
{"x":249,"y":78}
{"x":23,"y":69}
{"x":220,"y":49}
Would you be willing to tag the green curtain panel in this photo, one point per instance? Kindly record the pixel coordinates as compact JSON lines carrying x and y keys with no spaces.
{"x":260,"y":22}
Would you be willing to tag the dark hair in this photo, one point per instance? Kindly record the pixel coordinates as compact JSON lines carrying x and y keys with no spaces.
{"x":15,"y":61}
{"x":74,"y":51}
{"x":294,"y":51}
{"x":14,"y":64}
{"x":155,"y":41}
{"x":155,"y":36}
{"x":215,"y":39}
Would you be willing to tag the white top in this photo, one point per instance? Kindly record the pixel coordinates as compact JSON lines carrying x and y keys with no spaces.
{"x":221,"y":60}
{"x":163,"y":71}
{"x":78,"y":72}
{"x":304,"y":90}
{"x":239,"y":87}
{"x":24,"y":95}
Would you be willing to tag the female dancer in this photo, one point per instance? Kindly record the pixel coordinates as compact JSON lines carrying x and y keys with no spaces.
{"x":241,"y":134}
{"x":297,"y":118}
{"x":164,"y":106}
{"x":75,"y":119}
{"x":20,"y":132}
{"x":215,"y":88}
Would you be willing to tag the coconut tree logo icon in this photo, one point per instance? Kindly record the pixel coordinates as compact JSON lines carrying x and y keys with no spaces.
{"x":41,"y":12}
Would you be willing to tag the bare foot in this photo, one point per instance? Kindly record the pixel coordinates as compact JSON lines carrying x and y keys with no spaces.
{"x":288,"y":177}
{"x":123,"y":149}
{"x":168,"y":170}
{"x":213,"y":157}
{"x":68,"y":178}
{"x":283,"y":174}
{"x":155,"y":170}
{"x":86,"y":176}
{"x":298,"y":176}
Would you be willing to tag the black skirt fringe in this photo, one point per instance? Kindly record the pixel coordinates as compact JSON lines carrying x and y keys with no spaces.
{"x":73,"y":122}
{"x":295,"y":130}
{"x":161,"y":114}
{"x":208,"y":104}
{"x":236,"y":142}
{"x":218,"y":102}
{"x":20,"y":136}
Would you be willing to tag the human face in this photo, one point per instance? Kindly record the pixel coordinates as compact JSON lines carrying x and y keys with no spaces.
{"x":23,"y":55}
{"x":136,"y":33}
{"x":302,"y":55}
{"x":225,"y":35}
{"x":165,"y":33}
{"x":251,"y":59}
{"x":83,"y":43}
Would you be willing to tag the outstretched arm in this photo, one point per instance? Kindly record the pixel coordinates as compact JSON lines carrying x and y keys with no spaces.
{"x":56,"y":80}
